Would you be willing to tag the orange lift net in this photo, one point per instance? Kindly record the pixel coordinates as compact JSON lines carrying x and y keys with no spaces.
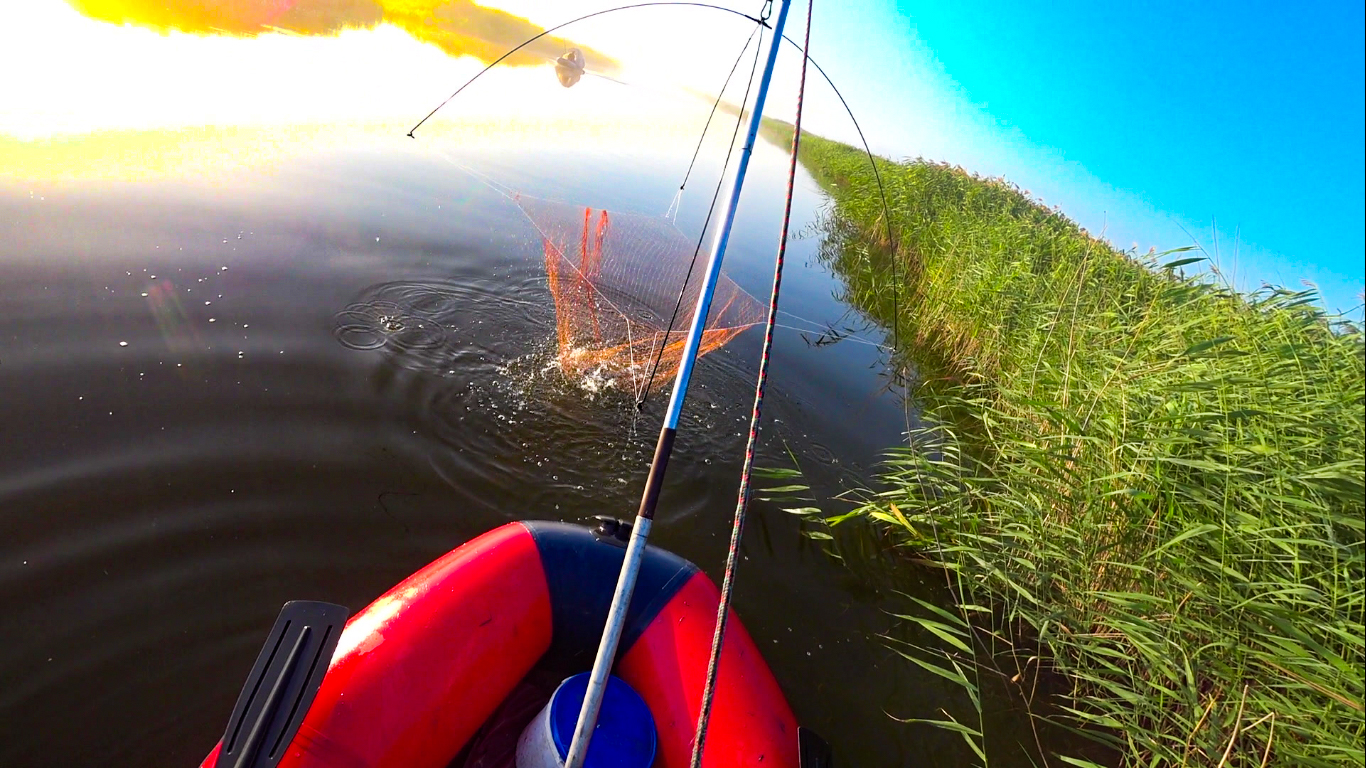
{"x":615,"y":278}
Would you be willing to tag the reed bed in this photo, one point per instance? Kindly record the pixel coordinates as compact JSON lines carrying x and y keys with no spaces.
{"x":1145,"y":488}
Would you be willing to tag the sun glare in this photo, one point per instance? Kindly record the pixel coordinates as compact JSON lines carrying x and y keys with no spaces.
{"x":121,"y":101}
{"x":80,"y":75}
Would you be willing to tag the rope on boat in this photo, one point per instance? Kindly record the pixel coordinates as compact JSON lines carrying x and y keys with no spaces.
{"x":716,"y":195}
{"x":742,"y":502}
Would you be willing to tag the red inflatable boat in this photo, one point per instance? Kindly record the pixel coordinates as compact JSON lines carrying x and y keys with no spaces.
{"x":420,"y":670}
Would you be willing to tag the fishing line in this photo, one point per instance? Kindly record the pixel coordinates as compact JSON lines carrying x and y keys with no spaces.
{"x":811,"y":326}
{"x":886,"y":218}
{"x":762,"y":21}
{"x":678,"y":196}
{"x":836,"y":338}
{"x":742,"y":502}
{"x":701,"y":237}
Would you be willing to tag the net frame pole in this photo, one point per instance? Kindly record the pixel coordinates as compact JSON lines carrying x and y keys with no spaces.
{"x":640,"y":532}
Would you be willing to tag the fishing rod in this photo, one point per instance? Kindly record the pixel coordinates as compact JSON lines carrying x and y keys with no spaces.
{"x":711,"y":207}
{"x":699,"y":744}
{"x":630,"y":568}
{"x":640,"y":532}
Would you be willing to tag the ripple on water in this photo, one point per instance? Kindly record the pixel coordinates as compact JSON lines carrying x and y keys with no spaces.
{"x":502,"y":422}
{"x":534,"y":438}
{"x":433,"y":325}
{"x":410,"y":337}
{"x":821,"y":453}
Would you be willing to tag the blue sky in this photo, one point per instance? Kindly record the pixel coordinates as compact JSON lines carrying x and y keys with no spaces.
{"x":1149,"y":122}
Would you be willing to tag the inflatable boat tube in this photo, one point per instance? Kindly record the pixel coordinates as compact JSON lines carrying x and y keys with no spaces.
{"x":419,"y":670}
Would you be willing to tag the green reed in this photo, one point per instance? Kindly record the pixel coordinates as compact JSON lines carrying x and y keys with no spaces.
{"x":1146,"y":489}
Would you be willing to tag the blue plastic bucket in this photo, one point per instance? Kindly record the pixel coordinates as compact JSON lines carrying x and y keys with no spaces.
{"x":624,"y":737}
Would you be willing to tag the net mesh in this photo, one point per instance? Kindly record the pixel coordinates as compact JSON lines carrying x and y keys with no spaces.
{"x":615,"y":278}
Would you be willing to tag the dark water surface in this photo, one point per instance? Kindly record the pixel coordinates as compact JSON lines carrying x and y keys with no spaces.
{"x":209,"y":408}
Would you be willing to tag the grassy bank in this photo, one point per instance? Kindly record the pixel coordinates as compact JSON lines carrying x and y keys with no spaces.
{"x":1143,"y":486}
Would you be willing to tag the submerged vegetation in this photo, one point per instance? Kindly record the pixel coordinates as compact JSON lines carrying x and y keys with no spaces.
{"x":1144,"y":488}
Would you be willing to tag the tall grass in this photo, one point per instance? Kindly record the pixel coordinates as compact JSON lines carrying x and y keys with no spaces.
{"x":1144,"y":485}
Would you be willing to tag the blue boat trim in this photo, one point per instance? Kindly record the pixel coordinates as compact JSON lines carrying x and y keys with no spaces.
{"x":581,"y":571}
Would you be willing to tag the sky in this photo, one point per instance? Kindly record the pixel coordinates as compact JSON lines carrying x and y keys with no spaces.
{"x":1246,"y":114}
{"x":1236,"y":127}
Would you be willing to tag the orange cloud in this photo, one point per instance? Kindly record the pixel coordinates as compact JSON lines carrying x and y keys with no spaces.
{"x":458,"y":27}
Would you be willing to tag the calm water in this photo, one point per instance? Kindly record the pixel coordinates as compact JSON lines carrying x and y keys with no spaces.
{"x":198,"y":425}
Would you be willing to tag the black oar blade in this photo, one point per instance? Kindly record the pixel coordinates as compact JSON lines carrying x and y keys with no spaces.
{"x":282,"y":684}
{"x":812,"y":750}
